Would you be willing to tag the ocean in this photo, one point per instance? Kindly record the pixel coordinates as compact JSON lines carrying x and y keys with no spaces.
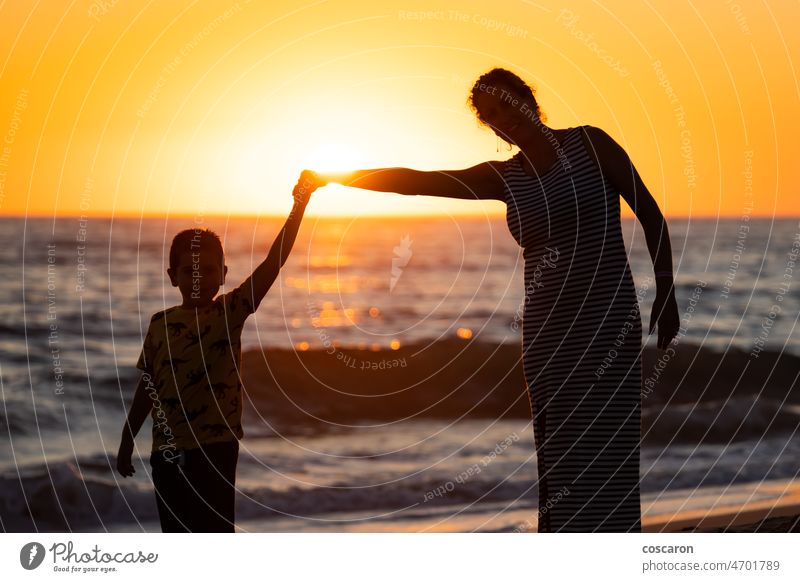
{"x":403,"y":299}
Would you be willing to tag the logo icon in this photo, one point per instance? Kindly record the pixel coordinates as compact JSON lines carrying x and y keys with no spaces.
{"x":402,"y":254}
{"x":31,"y":555}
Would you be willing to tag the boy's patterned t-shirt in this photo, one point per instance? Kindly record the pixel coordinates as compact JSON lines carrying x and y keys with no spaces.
{"x":191,"y":359}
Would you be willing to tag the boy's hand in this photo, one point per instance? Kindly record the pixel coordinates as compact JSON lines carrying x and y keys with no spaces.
{"x":304,"y":187}
{"x":124,"y":464}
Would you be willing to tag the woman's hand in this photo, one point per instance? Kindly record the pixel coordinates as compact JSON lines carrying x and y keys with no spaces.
{"x":665,"y":313}
{"x":311,"y":177}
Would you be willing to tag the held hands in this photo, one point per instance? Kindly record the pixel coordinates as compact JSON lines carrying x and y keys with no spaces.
{"x":306,"y":184}
{"x":319,"y":180}
{"x":665,"y":313}
{"x":302,"y":190}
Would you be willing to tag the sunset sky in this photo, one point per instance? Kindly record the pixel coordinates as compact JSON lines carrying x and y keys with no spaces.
{"x":168,"y":107}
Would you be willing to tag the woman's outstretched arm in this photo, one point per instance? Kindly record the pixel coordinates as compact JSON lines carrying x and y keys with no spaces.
{"x":620,"y":171}
{"x":481,"y":182}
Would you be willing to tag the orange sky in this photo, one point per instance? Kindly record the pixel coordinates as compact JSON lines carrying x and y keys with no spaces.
{"x":214,"y":107}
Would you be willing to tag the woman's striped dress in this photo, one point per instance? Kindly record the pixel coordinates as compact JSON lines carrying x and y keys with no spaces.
{"x":581,"y":342}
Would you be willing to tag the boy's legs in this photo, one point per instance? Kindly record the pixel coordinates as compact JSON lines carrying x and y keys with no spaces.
{"x":199,"y":495}
{"x":212,"y":471}
{"x":171,"y":494}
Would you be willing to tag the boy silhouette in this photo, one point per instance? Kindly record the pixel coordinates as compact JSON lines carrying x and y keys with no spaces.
{"x":190,"y":379}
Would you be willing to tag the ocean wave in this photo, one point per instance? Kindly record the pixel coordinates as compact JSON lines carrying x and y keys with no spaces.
{"x":17,"y":419}
{"x":718,"y":421}
{"x":61,"y":497}
{"x":689,"y":394}
{"x":694,"y":393}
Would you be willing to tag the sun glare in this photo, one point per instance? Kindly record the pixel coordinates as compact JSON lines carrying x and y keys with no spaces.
{"x":334,"y":157}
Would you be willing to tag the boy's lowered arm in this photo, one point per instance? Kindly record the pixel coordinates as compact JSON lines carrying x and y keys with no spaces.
{"x":265,"y":274}
{"x":140,"y":407}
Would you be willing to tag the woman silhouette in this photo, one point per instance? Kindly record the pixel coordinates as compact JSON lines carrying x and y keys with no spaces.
{"x":581,"y":329}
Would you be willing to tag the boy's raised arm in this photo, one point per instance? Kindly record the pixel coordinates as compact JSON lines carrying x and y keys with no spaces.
{"x":266,"y":273}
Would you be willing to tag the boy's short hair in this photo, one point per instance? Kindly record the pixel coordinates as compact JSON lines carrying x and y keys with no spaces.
{"x":192,"y":239}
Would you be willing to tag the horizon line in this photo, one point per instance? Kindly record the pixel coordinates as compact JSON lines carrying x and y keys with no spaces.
{"x":126,"y":215}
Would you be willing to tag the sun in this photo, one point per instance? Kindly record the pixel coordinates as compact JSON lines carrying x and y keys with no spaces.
{"x":332,"y":156}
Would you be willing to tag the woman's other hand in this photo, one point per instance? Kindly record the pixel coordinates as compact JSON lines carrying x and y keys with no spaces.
{"x":665,"y":314}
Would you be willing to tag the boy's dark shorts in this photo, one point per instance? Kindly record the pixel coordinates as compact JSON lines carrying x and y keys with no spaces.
{"x":195,"y":490}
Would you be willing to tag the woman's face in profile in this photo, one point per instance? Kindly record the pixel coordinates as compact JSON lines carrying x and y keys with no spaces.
{"x":503,"y":111}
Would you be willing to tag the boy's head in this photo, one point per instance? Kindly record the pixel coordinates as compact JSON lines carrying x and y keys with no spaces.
{"x":197,"y":265}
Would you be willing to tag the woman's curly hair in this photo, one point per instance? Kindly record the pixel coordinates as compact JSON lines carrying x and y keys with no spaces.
{"x":507,"y":80}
